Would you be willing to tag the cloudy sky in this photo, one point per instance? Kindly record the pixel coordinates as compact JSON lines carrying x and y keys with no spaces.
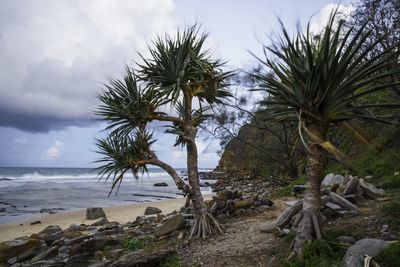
{"x":56,"y":54}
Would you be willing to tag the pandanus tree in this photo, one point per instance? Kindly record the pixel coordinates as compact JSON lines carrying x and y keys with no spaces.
{"x":317,"y":82}
{"x":179,"y":76}
{"x":128,"y":146}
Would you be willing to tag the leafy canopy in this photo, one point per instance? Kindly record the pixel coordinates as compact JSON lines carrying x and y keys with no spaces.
{"x":322,"y":77}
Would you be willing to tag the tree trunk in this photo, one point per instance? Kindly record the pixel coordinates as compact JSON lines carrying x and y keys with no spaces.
{"x":204,"y":224}
{"x":171,"y":171}
{"x":309,"y":226}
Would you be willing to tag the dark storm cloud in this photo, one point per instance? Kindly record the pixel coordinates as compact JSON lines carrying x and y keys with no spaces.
{"x":55,"y":55}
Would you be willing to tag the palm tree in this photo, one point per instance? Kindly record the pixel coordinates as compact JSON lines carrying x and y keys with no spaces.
{"x":181,"y":75}
{"x":317,"y":81}
{"x":128,"y":146}
{"x":181,"y":72}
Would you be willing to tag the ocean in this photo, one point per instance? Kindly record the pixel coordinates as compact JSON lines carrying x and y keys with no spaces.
{"x":29,"y":192}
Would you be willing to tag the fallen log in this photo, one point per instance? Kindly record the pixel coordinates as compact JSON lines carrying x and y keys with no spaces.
{"x":244,"y":203}
{"x":342,"y":202}
{"x":287,"y":215}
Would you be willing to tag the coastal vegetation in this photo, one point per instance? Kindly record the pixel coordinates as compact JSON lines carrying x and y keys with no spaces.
{"x":180,"y":75}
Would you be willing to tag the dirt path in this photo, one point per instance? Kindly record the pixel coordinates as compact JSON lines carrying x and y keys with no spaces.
{"x":241,"y":245}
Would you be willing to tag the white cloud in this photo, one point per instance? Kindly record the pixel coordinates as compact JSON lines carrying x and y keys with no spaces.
{"x":319,"y":21}
{"x":55,"y":150}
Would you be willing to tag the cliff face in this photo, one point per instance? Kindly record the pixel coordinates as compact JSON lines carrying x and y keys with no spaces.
{"x":254,"y":149}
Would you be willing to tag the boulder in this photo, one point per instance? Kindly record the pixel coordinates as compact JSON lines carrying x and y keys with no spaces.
{"x":51,"y":252}
{"x":49,"y":234}
{"x":95,"y":213}
{"x":354,"y":256}
{"x":370,"y":190}
{"x":10,"y":249}
{"x":332,"y":179}
{"x":299,"y":188}
{"x":351,"y":186}
{"x":225,"y":195}
{"x":99,"y":222}
{"x":332,"y":206}
{"x":138,"y":258}
{"x":152,"y":211}
{"x":161,"y":184}
{"x":173,"y":223}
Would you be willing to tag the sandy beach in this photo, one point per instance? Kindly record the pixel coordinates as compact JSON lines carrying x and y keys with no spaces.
{"x":122,"y":214}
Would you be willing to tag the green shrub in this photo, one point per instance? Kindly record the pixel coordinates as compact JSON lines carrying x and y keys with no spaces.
{"x":391,"y":208}
{"x":171,"y":261}
{"x":389,"y":256}
{"x":316,"y":254}
{"x":287,"y":190}
{"x":391,"y":182}
{"x":136,"y":243}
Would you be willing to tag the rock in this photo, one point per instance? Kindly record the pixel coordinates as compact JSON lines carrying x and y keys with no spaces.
{"x":30,"y":253}
{"x":35,"y":222}
{"x":332,"y":206}
{"x":385,"y":228}
{"x":10,"y":249}
{"x":79,"y":239}
{"x":264,"y":201}
{"x":351,"y":186}
{"x":346,"y":239}
{"x":51,"y":252}
{"x":335,"y":198}
{"x":138,"y":258}
{"x":351,"y":198}
{"x":49,"y":234}
{"x":115,"y":253}
{"x":73,"y":228}
{"x":94,"y":213}
{"x":354,"y":256}
{"x":225,"y":195}
{"x":99,"y":222}
{"x":299,"y":188}
{"x":79,"y":260}
{"x":12,"y":261}
{"x":94,"y":244}
{"x":160,"y":184}
{"x":267,"y":227}
{"x":332,"y":179}
{"x":370,"y":190}
{"x":152,"y":210}
{"x":278,"y":232}
{"x":173,"y":223}
{"x":347,"y":213}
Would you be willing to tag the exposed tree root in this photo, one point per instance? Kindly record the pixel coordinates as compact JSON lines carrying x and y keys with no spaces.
{"x":308,"y":229}
{"x":205,"y":225}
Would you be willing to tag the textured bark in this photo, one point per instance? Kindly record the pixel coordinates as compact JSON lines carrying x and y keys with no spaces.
{"x":204,"y":224}
{"x":309,"y":225}
{"x":177,"y":179}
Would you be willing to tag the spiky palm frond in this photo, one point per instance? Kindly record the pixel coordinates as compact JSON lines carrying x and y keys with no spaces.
{"x":122,"y":153}
{"x":125,"y":105}
{"x":322,"y":78}
{"x":180,"y":66}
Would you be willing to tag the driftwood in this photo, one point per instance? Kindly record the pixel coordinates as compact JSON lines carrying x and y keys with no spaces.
{"x":239,"y":204}
{"x":287,"y":215}
{"x":342,"y":202}
{"x":351,"y":186}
